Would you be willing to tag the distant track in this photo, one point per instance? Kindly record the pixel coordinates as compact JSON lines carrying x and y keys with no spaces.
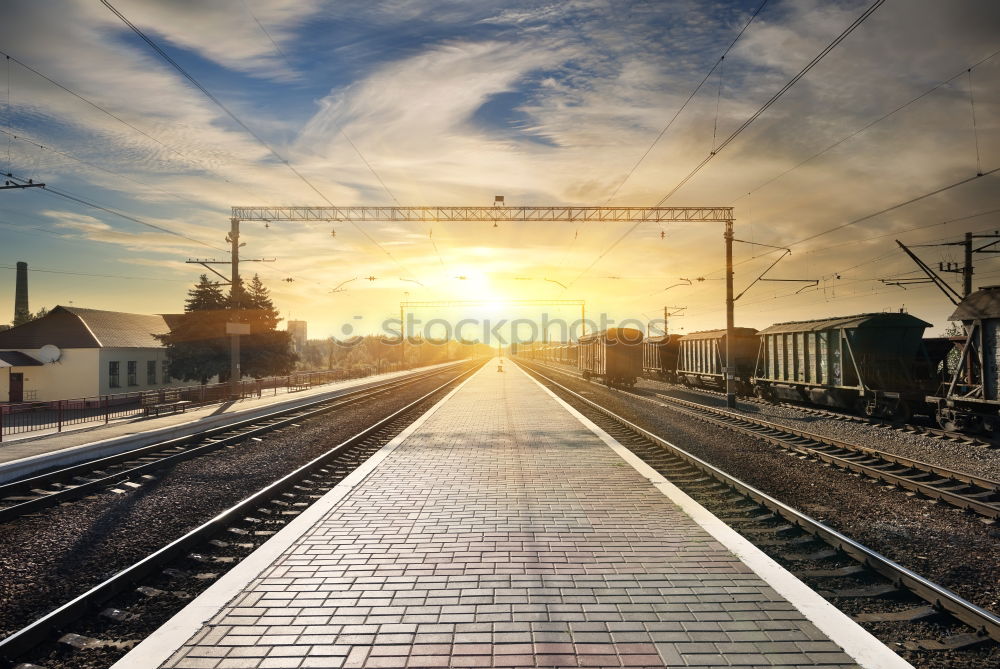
{"x":217,"y":544}
{"x":126,"y":469}
{"x":960,"y":489}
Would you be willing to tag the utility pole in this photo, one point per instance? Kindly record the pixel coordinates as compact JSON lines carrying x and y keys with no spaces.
{"x":966,"y":269}
{"x":402,"y":339}
{"x":667,"y":313}
{"x":235,"y":293}
{"x":730,"y":326}
{"x":233,"y":328}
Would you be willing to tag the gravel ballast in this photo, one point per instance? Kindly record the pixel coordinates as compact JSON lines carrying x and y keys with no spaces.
{"x":57,"y":554}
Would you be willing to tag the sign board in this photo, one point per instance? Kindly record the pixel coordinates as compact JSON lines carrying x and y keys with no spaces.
{"x":237,"y":328}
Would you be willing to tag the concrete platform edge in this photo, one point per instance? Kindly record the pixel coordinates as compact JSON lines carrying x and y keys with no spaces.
{"x":856,"y":641}
{"x":156,"y":649}
{"x":71,"y":455}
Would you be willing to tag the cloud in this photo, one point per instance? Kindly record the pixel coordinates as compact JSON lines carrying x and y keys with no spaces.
{"x":452,"y":102}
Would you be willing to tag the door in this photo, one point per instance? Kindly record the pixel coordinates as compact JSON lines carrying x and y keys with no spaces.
{"x":16,"y":387}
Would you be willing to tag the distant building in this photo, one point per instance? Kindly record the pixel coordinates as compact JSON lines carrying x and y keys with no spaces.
{"x":73,"y":352}
{"x":299,"y":338}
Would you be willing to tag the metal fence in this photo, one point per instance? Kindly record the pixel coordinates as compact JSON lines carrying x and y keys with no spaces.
{"x":34,"y":416}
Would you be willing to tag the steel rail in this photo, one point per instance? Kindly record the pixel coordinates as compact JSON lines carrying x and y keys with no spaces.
{"x":986,"y":623}
{"x":777,"y":437}
{"x":773,"y":433}
{"x":214,"y":439}
{"x":922,"y":430}
{"x":41,"y":629}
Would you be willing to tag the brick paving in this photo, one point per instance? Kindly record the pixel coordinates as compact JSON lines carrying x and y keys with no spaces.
{"x":503,"y":533}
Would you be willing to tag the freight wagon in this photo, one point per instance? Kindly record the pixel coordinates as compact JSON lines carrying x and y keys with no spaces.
{"x":614,"y":356}
{"x":659,"y":357}
{"x":970,"y":400}
{"x":701,"y":358}
{"x":865,"y":363}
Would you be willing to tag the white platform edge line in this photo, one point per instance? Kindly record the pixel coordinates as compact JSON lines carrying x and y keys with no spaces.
{"x":159,"y":647}
{"x":856,"y":641}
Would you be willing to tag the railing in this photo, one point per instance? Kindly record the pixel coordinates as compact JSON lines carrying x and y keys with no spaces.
{"x":35,"y":416}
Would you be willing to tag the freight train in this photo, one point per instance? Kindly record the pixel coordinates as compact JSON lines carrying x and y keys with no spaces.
{"x":614,"y":356}
{"x":875,"y":364}
{"x":969,"y":401}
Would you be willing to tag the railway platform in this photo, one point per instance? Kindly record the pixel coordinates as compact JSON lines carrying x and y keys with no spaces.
{"x":504,"y":529}
{"x":22,"y":454}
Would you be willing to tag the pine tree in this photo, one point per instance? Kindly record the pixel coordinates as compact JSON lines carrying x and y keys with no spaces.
{"x":205,"y":296}
{"x":197,"y":346}
{"x":266,"y":350}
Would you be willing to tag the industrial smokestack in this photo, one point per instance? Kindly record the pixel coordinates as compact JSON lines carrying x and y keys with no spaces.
{"x":21,"y":293}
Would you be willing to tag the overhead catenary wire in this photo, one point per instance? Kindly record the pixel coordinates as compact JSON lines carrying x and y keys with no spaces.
{"x":898,"y":205}
{"x":102,"y":276}
{"x":66,"y":154}
{"x":743,"y":126}
{"x":340,"y":129}
{"x":680,"y":109}
{"x":870,"y":124}
{"x":128,"y":217}
{"x":189,"y":159}
{"x":774,"y":98}
{"x":236,"y":119}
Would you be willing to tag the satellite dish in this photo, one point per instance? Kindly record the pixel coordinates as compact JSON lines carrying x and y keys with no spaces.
{"x":49,"y":353}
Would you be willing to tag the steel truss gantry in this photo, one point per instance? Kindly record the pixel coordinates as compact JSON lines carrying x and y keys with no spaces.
{"x":496,"y":214}
{"x":501,"y":213}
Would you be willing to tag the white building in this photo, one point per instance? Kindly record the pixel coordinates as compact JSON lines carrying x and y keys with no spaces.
{"x":72,"y":352}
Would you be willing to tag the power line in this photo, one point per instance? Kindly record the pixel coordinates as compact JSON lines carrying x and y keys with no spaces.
{"x":340,"y":129}
{"x":170,"y":61}
{"x":869,"y":125}
{"x":894,"y":207}
{"x":65,"y":154}
{"x":190,"y":159}
{"x":103,"y":276}
{"x":743,"y":126}
{"x":686,"y":102}
{"x":774,"y":98}
{"x":127,"y":217}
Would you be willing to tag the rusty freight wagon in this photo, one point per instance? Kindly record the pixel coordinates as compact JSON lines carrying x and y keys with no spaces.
{"x":613,"y":356}
{"x":865,"y":363}
{"x":659,"y":357}
{"x":701,"y":358}
{"x":970,"y":400}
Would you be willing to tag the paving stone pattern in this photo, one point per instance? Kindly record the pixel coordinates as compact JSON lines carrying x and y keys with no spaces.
{"x":503,"y":533}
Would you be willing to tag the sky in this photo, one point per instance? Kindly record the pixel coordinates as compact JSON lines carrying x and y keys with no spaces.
{"x":443,"y":102}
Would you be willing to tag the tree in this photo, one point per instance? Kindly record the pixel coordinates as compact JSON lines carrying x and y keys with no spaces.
{"x":22,"y":317}
{"x":197,"y":346}
{"x":266,"y":350}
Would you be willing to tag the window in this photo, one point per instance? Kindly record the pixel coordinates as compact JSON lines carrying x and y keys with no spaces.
{"x":151,"y":372}
{"x":165,"y":368}
{"x":133,"y":373}
{"x":113,"y":370}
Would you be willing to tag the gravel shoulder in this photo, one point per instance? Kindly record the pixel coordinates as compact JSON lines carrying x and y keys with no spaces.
{"x":52,"y":556}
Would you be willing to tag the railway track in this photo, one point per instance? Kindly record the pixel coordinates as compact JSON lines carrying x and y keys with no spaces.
{"x":111,"y":617}
{"x":960,"y":489}
{"x":841,"y":569}
{"x":910,"y":428}
{"x":132,"y":468}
